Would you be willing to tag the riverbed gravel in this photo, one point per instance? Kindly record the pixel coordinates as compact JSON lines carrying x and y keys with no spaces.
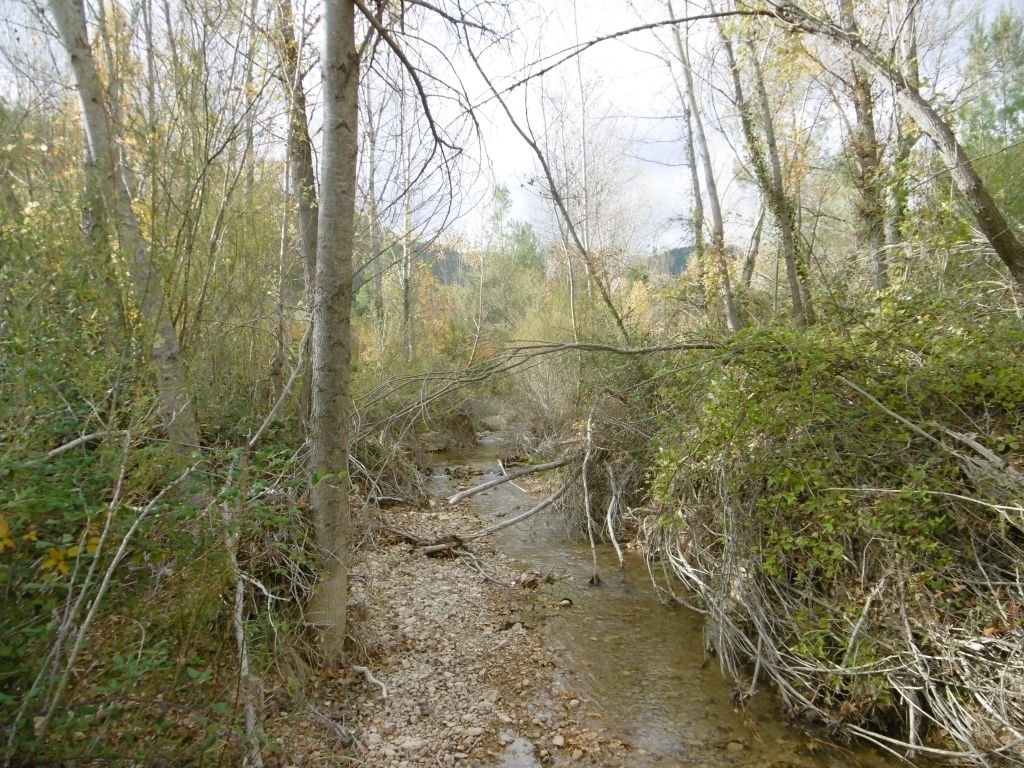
{"x":455,"y":642}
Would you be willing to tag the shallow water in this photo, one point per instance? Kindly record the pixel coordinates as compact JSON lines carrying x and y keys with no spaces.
{"x":637,"y":664}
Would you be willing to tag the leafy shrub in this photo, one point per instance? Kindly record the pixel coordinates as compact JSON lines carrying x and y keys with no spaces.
{"x":846,"y":502}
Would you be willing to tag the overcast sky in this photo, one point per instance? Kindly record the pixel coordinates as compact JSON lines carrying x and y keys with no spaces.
{"x":640,"y":107}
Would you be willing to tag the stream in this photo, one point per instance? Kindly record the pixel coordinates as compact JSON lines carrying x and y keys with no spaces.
{"x":638,"y":665}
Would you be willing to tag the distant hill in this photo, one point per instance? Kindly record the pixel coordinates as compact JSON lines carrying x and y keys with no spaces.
{"x":675,"y":259}
{"x":448,"y":266}
{"x":672,"y":261}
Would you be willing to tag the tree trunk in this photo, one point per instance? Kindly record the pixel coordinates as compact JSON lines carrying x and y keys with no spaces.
{"x":300,"y":155}
{"x":376,"y":233}
{"x":300,"y":149}
{"x":330,"y":424}
{"x":732,"y":317}
{"x":179,"y":419}
{"x":775,"y":193}
{"x":277,"y":376}
{"x":988,"y":217}
{"x":755,"y":246}
{"x":867,"y":159}
{"x":899,"y":195}
{"x":698,"y":201}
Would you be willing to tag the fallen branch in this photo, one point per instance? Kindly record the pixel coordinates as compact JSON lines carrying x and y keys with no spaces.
{"x":507,"y":478}
{"x":250,"y":685}
{"x":77,"y":442}
{"x":539,"y":507}
{"x":515,"y":485}
{"x":365,"y":672}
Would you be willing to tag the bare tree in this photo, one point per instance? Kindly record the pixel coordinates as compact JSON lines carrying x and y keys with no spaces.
{"x":732,"y":317}
{"x":767,"y":167}
{"x":107,"y":164}
{"x":988,"y":216}
{"x":567,"y":219}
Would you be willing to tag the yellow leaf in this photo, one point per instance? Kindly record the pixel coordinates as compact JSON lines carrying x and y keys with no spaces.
{"x":55,"y":559}
{"x":6,"y":540}
{"x":31,"y":534}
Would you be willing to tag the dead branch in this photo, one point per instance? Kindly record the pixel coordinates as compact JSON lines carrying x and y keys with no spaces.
{"x":507,"y":478}
{"x":365,"y":672}
{"x":539,"y":507}
{"x":77,"y":442}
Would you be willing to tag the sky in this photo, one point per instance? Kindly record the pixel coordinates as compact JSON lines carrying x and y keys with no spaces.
{"x":639,"y":107}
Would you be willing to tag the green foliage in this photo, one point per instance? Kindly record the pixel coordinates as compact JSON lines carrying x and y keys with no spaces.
{"x":993,"y":117}
{"x":827,"y":491}
{"x":154,"y":679}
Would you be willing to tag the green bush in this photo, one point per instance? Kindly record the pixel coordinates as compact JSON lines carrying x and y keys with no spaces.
{"x":836,"y":541}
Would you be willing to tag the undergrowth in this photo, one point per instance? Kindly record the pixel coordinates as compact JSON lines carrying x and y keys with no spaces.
{"x":845,"y":503}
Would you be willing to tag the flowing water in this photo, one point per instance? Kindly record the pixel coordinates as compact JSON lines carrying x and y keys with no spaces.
{"x":638,"y":665}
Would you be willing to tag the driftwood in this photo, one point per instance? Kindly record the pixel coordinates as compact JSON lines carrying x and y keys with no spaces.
{"x":507,"y":478}
{"x":455,"y":543}
{"x":535,"y":509}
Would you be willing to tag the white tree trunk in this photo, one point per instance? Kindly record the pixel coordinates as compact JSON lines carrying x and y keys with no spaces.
{"x":732,"y":317}
{"x":105,"y":154}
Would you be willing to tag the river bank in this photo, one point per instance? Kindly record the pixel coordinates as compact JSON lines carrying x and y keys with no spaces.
{"x":508,"y":658}
{"x":468,"y":679}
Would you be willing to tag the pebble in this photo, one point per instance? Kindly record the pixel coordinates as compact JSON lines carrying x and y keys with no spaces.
{"x":558,"y":740}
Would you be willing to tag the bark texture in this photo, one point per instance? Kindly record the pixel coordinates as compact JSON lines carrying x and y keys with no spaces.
{"x":300,"y":149}
{"x":867,"y":157}
{"x":330,"y":424}
{"x":300,"y":158}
